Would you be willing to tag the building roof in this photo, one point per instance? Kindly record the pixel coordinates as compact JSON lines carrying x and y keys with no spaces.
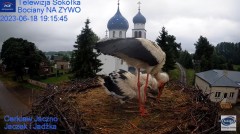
{"x":58,"y":58}
{"x":221,"y":78}
{"x":139,"y":18}
{"x":118,"y":22}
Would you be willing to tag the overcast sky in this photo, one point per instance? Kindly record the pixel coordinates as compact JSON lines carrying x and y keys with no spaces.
{"x":218,"y":20}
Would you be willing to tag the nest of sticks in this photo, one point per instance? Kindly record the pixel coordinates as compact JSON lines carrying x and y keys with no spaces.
{"x":84,"y":107}
{"x":60,"y":102}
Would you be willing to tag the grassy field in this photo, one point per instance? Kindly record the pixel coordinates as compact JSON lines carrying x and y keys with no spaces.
{"x":7,"y":79}
{"x":57,"y":80}
{"x":190,"y":74}
{"x":236,"y":67}
{"x":174,"y":74}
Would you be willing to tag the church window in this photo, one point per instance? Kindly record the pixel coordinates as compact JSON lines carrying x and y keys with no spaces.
{"x":135,"y":34}
{"x":113,"y":34}
{"x":120,"y":34}
{"x":140,"y":34}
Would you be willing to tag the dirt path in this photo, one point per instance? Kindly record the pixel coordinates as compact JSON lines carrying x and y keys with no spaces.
{"x":10,"y":104}
{"x":183,"y":77}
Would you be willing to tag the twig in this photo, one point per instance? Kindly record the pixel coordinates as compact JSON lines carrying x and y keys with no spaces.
{"x":64,"y":118}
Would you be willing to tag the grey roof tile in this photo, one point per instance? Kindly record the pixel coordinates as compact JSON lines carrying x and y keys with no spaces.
{"x":221,"y":78}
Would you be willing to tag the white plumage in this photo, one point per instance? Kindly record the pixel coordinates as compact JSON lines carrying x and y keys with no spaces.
{"x":121,"y":84}
{"x":140,"y":53}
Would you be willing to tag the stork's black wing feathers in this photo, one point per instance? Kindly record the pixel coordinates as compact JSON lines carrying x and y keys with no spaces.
{"x":112,"y":86}
{"x":119,"y":84}
{"x":121,"y":73}
{"x":131,"y":47}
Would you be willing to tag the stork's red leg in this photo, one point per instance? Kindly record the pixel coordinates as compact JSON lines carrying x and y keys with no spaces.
{"x":145,"y":89}
{"x":141,"y":104}
{"x":142,"y":108}
{"x":139,"y":94}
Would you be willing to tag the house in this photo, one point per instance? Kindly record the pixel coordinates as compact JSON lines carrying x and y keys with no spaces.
{"x":60,"y":63}
{"x":57,"y":58}
{"x":219,"y":84}
{"x":63,"y":65}
{"x":44,"y":68}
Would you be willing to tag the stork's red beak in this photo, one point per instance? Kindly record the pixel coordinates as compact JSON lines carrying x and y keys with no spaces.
{"x":160,"y":89}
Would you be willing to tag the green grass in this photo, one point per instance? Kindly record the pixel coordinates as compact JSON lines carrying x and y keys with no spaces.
{"x":59,"y":70}
{"x":190,"y":74}
{"x":236,"y":67}
{"x":174,"y":74}
{"x":57,"y":80}
{"x":30,"y":86}
{"x":7,"y":79}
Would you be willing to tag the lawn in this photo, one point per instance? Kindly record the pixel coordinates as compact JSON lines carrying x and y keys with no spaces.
{"x":57,"y":80}
{"x":236,"y":67}
{"x":175,"y":73}
{"x":7,"y":79}
{"x":190,"y":74}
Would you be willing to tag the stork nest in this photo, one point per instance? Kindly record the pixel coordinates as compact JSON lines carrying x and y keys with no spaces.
{"x":84,"y":107}
{"x":180,"y":110}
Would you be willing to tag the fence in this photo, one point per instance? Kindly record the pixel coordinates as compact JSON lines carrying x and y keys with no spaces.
{"x":37,"y":83}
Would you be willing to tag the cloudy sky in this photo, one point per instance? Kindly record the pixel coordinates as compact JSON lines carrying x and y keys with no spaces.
{"x":218,"y":20}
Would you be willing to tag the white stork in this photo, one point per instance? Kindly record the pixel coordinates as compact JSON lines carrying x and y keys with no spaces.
{"x":122,"y":85}
{"x":140,"y":53}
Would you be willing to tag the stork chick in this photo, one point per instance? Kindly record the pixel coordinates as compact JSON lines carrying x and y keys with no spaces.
{"x":121,"y":85}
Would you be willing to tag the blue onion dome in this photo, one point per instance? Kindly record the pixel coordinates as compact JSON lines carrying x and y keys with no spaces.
{"x":139,"y":18}
{"x":118,"y":22}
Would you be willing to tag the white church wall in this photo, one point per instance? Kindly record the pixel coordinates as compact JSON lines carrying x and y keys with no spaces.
{"x":120,"y":64}
{"x":143,"y":33}
{"x":139,"y":26}
{"x":108,"y":64}
{"x":117,"y":34}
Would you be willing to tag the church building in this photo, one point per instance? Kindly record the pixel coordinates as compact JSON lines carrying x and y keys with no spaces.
{"x":117,"y":27}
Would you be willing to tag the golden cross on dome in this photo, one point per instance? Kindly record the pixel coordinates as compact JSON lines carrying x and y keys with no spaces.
{"x":139,"y":3}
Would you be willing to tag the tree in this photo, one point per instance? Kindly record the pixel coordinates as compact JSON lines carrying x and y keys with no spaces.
{"x":231,"y":51}
{"x":218,"y":61}
{"x":65,"y":57}
{"x":18,"y":53}
{"x":185,"y":59}
{"x":84,"y":60}
{"x":203,"y":54}
{"x":170,"y":47}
